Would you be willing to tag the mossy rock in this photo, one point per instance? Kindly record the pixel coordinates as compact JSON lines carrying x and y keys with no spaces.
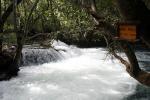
{"x":7,"y":69}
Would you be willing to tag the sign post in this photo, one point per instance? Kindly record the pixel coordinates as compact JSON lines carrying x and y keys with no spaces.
{"x":127,"y":32}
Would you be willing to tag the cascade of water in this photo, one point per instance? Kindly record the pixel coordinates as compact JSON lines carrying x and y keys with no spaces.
{"x":32,"y":56}
{"x":84,"y":74}
{"x":38,"y":55}
{"x":66,"y":50}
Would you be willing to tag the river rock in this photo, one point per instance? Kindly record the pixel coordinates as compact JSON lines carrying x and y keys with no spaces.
{"x":7,"y":69}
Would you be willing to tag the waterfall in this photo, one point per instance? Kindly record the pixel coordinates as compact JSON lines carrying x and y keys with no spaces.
{"x":36,"y":56}
{"x":81,"y":74}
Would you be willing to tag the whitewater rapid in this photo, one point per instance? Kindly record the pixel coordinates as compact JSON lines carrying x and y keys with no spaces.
{"x":83,"y":74}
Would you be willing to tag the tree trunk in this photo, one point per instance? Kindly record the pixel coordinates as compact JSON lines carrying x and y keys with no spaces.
{"x":131,"y":10}
{"x":3,"y":19}
{"x":19,"y":39}
{"x":8,"y":12}
{"x":8,"y":65}
{"x":0,"y":27}
{"x":134,"y":69}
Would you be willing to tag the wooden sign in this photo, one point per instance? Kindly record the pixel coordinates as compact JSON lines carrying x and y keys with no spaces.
{"x":127,"y":32}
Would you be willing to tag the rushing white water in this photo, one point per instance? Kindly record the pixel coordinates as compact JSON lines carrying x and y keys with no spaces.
{"x":84,"y":74}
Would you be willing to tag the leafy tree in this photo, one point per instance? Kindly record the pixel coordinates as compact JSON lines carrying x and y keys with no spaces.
{"x":134,"y":10}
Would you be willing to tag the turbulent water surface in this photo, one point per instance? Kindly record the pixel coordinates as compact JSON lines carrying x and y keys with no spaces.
{"x":83,"y":74}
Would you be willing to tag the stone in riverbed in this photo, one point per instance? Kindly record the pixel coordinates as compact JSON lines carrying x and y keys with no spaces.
{"x":7,"y":70}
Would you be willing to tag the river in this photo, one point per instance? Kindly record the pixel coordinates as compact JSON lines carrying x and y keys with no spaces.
{"x":78,"y":74}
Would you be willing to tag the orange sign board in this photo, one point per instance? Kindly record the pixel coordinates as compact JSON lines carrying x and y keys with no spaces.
{"x":127,"y":32}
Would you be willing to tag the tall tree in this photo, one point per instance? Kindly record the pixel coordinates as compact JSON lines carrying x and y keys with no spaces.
{"x":3,"y":19}
{"x":131,"y":10}
{"x":0,"y":30}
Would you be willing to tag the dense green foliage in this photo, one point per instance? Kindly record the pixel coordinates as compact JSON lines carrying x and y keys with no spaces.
{"x":65,"y":17}
{"x":58,"y":16}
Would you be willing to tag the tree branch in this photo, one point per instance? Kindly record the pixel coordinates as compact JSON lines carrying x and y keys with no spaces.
{"x":8,"y":12}
{"x":132,"y":66}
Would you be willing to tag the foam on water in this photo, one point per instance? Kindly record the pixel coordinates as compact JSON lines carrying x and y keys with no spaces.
{"x":85,"y":74}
